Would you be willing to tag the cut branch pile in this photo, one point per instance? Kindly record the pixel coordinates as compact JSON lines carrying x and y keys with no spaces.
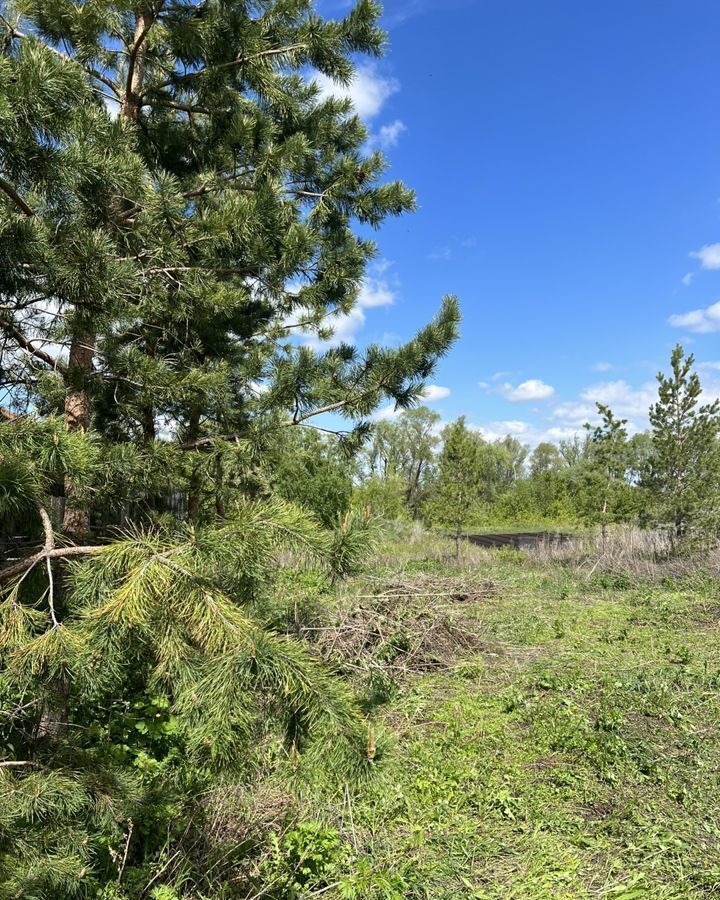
{"x":409,"y":626}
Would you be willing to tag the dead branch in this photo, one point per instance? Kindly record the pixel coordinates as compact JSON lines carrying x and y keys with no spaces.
{"x":29,"y":562}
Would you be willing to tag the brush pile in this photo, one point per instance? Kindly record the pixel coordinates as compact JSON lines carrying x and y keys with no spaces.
{"x":411,"y":624}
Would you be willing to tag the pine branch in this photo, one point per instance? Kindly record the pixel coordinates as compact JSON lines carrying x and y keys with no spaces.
{"x":241,"y":60}
{"x":20,"y":35}
{"x":181,"y":107}
{"x":190,"y":194}
{"x":109,"y":83}
{"x":175,"y":270}
{"x":15,"y":197}
{"x":205,"y":441}
{"x":30,"y":348}
{"x":336,"y":432}
{"x":48,"y":548}
{"x":298,"y":420}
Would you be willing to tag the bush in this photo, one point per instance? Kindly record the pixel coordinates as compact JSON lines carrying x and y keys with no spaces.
{"x":309,"y":857}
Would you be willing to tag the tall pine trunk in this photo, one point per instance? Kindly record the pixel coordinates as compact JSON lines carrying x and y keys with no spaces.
{"x":132,"y":101}
{"x":75,"y":524}
{"x":78,"y":412}
{"x":78,"y":415}
{"x":196,"y":480}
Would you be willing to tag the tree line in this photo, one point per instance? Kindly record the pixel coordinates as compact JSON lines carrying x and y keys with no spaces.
{"x":452,"y":477}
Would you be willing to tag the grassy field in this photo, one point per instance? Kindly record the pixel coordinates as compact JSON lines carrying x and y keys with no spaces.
{"x":540,"y":733}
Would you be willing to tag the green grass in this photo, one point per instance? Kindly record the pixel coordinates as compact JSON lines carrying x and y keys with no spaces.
{"x":574,"y":753}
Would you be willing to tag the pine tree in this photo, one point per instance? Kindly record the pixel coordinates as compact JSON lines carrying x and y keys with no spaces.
{"x":684,"y":466}
{"x":176,"y":201}
{"x":459,"y":483}
{"x":608,"y":459}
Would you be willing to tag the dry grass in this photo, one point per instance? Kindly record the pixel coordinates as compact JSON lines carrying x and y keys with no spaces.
{"x":238,"y":813}
{"x":616,"y":550}
{"x":638,"y":553}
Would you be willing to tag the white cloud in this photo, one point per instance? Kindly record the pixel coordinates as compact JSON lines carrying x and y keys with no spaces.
{"x":112,"y":106}
{"x":565,"y":420}
{"x":618,"y":392}
{"x":441,"y":253}
{"x":626,"y":402}
{"x":602,"y":367}
{"x":375,"y":292}
{"x":709,"y":256}
{"x":574,"y":412}
{"x":388,"y":136}
{"x":496,"y":431}
{"x":434,"y":393}
{"x":556,"y":434}
{"x":686,"y":279}
{"x":513,"y":426}
{"x":166,"y":428}
{"x":387,"y":414}
{"x":368,"y":90}
{"x":630,"y":403}
{"x":698,"y":320}
{"x":526,"y":432}
{"x":345,"y":327}
{"x":533,"y":389}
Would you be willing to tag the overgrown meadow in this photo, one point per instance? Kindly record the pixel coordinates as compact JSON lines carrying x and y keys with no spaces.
{"x":535,"y":730}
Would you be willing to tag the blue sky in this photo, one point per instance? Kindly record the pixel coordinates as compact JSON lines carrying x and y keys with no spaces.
{"x":566,"y":158}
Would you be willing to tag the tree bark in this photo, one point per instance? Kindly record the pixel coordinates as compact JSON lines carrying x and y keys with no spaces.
{"x":78,"y":412}
{"x":148,"y":411}
{"x":132,"y":101}
{"x":195,"y":487}
{"x":219,"y":500}
{"x":148,"y":423}
{"x":54,"y":715}
{"x":75,"y":525}
{"x":414,"y":491}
